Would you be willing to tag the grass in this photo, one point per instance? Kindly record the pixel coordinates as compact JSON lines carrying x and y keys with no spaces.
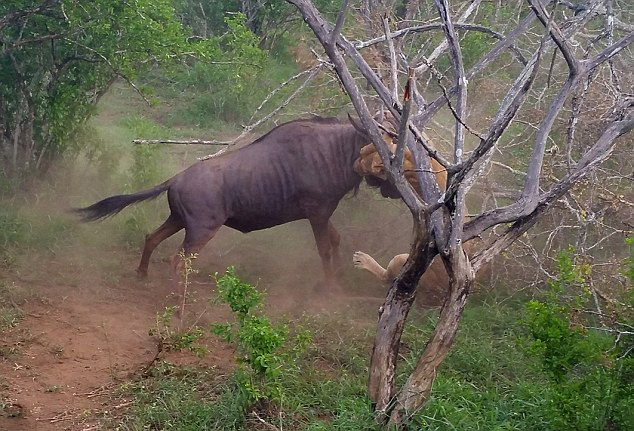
{"x":9,"y":317}
{"x":488,"y":382}
{"x":177,"y":398}
{"x":11,"y":297}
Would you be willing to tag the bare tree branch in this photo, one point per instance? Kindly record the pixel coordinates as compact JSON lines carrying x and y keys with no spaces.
{"x":509,"y":107}
{"x":600,"y":151}
{"x":598,"y":9}
{"x":403,"y":132}
{"x":341,"y":17}
{"x":313,"y":72}
{"x":429,"y":27}
{"x":461,"y":82}
{"x":432,"y":108}
{"x":393,"y":105}
{"x":556,"y":34}
{"x":610,"y":51}
{"x":393,"y":65}
{"x":282,"y":85}
{"x":473,"y":6}
{"x":451,"y":38}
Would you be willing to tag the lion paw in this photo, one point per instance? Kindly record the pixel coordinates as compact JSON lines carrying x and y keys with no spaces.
{"x":360,"y":259}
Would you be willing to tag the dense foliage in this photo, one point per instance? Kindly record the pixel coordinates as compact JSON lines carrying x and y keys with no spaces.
{"x":591,"y":373}
{"x":58,"y":58}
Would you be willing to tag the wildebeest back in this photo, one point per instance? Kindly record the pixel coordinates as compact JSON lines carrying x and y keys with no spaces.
{"x":275,"y":179}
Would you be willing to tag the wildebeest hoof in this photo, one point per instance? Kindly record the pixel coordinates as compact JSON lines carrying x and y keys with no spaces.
{"x":328,"y":287}
{"x":141,"y":274}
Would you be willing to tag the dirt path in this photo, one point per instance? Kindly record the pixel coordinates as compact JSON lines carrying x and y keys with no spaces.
{"x":74,"y":350}
{"x":87,"y":318}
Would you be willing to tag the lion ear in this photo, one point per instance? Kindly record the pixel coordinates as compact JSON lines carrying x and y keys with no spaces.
{"x":358,"y":126}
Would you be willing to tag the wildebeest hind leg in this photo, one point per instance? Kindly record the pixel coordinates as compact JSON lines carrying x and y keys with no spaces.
{"x":167,"y":229}
{"x":195,"y":239}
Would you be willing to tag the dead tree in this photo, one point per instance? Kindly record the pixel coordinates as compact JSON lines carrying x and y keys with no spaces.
{"x":441,"y":225}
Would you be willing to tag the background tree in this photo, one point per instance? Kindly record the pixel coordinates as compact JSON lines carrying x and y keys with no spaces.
{"x":587,"y":51}
{"x":58,"y":57}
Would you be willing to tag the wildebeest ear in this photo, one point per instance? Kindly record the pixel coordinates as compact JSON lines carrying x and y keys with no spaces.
{"x":379,"y":117}
{"x":358,"y":126}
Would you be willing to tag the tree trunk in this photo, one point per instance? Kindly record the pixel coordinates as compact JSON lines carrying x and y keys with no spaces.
{"x":418,"y":386}
{"x":392,"y":316}
{"x":17,"y":131}
{"x":448,"y":230}
{"x":28,"y":141}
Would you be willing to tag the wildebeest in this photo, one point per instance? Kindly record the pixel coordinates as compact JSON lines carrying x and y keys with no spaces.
{"x":299,"y":170}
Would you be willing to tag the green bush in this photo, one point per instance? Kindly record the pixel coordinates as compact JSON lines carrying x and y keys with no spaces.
{"x":224,"y":87}
{"x":265,"y":350}
{"x":58,"y":85}
{"x":590,"y":377}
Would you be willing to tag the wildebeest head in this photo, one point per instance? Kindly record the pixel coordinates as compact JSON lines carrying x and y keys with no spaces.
{"x":370,"y":166}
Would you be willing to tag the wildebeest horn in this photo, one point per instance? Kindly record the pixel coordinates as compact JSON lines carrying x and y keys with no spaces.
{"x":357,"y":125}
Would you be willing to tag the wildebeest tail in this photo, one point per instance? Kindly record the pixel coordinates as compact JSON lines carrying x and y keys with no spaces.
{"x":112,"y":205}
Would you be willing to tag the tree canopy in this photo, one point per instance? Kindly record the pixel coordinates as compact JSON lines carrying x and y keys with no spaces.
{"x":58,"y":57}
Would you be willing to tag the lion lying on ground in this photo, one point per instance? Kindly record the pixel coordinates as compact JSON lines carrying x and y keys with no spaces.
{"x":432,"y":285}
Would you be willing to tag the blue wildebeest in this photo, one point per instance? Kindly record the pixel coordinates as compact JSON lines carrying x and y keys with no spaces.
{"x":299,"y":170}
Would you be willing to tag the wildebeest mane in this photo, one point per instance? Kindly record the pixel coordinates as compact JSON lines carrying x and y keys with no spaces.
{"x":312,"y":119}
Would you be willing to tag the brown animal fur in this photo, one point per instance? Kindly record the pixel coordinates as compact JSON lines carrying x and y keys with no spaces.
{"x":432,"y":286}
{"x":369,"y":164}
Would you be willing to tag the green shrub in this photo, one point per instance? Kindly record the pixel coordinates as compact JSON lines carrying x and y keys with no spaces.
{"x":170,"y":339}
{"x":13,"y":230}
{"x":103,"y":40}
{"x":590,"y":381}
{"x":264,"y":348}
{"x":505,"y":371}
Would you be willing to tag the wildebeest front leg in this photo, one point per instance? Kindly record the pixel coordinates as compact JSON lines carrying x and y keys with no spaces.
{"x":325,"y":249}
{"x":335,"y":240}
{"x":152,"y":240}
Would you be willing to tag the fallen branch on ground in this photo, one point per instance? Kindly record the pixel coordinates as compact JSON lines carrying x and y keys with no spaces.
{"x":178,"y":142}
